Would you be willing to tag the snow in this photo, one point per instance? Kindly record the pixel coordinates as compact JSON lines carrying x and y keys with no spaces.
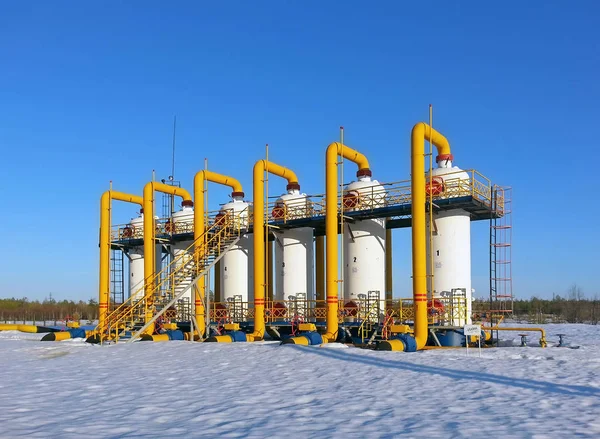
{"x":256,"y":390}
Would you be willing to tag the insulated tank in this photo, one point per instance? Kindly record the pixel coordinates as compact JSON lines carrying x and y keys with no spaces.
{"x":183,"y":222}
{"x":294,"y":252}
{"x":236,"y":265}
{"x":451,"y":245}
{"x":135,"y":230}
{"x":364,"y":243}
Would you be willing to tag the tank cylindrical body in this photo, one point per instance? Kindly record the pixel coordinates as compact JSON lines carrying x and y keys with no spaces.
{"x":236,"y":265}
{"x":364,"y":245}
{"x":451,"y":247}
{"x":294,"y":252}
{"x":136,"y":259}
{"x":183,"y":222}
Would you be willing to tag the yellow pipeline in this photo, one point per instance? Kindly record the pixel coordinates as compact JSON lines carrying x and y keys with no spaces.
{"x":149,"y":245}
{"x":199,"y":228}
{"x":9,"y":327}
{"x":104,"y":277}
{"x":331,"y":228}
{"x":260,"y":167}
{"x":543,"y":342}
{"x":421,"y":132}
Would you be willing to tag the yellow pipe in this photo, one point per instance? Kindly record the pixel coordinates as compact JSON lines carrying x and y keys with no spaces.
{"x":9,"y":327}
{"x":260,"y":167}
{"x":420,"y":132}
{"x":542,"y":332}
{"x":331,"y":227}
{"x":149,"y":250}
{"x":104,"y":277}
{"x":388,"y":270}
{"x":199,"y":228}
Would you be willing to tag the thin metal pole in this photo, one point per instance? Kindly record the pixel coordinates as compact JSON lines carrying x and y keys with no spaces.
{"x":341,"y":198}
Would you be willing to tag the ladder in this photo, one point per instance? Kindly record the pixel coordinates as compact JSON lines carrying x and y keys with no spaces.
{"x":501,"y":294}
{"x":135,"y":317}
{"x":117,"y":280}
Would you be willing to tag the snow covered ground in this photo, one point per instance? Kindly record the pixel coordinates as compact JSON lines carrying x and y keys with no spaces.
{"x":183,"y":389}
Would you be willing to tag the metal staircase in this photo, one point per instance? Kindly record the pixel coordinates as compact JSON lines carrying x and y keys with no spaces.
{"x":137,"y":316}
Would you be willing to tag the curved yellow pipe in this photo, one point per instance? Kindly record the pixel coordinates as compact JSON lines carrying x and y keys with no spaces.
{"x":331,"y":228}
{"x":542,"y":332}
{"x":420,"y":132}
{"x":104,"y":277}
{"x":260,"y":167}
{"x":199,"y":228}
{"x":149,"y":232}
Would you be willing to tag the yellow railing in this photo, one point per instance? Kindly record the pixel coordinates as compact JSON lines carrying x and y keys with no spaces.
{"x":141,"y":306}
{"x":446,"y":311}
{"x":460,"y":184}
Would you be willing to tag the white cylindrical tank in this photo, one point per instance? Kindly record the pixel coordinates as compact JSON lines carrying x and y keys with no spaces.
{"x":364,"y":243}
{"x":451,"y":246}
{"x":135,"y":230}
{"x":236,"y":265}
{"x":183,"y":222}
{"x":294,"y":252}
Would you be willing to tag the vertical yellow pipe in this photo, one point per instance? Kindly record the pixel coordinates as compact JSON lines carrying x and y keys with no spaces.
{"x":104,"y":275}
{"x":258,"y":221}
{"x":149,"y":241}
{"x":420,"y":132}
{"x":388,"y":270}
{"x":331,"y":228}
{"x":199,"y":229}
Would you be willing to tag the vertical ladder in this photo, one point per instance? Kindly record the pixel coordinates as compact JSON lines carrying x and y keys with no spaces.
{"x":501,"y":294}
{"x":117,"y":279}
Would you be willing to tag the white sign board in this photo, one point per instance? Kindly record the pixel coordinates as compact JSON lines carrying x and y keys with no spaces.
{"x":472,"y":330}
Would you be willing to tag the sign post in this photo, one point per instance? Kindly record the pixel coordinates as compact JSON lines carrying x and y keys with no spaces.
{"x":470,"y":330}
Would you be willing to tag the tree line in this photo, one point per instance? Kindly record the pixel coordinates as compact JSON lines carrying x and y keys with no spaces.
{"x":574,"y":307}
{"x":13,"y":309}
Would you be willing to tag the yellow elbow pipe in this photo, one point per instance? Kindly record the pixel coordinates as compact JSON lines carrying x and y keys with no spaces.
{"x":105,"y":219}
{"x":149,"y":233}
{"x":543,"y":342}
{"x":200,"y":227}
{"x":420,"y":132}
{"x":260,"y":167}
{"x":331,"y":228}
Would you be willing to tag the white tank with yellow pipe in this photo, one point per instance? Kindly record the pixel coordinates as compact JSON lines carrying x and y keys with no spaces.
{"x":294,"y":252}
{"x":451,"y":245}
{"x":364,"y":241}
{"x":236,"y":267}
{"x":135,"y":230}
{"x":183,"y":223}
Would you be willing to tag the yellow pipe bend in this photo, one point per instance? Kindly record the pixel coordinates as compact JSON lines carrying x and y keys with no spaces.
{"x":149,"y":232}
{"x":104,"y":276}
{"x":258,"y":193}
{"x":200,"y":226}
{"x":420,"y":132}
{"x":334,"y":150}
{"x":542,"y":332}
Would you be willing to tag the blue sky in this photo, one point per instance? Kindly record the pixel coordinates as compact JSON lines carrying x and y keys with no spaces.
{"x":89,"y":90}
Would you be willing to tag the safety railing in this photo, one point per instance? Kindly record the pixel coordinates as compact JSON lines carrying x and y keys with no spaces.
{"x":464,"y":183}
{"x":443,"y":311}
{"x":142,"y":306}
{"x":469,"y":183}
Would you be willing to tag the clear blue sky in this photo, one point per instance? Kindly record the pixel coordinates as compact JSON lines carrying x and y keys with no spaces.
{"x":88,"y":91}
